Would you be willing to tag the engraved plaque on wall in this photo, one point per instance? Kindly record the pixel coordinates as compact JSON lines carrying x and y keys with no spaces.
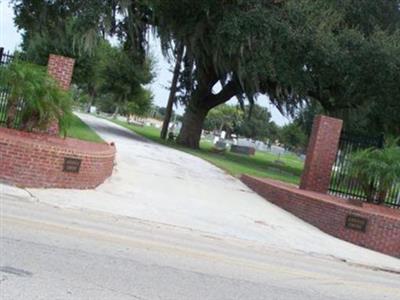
{"x":356,"y":223}
{"x":72,"y":165}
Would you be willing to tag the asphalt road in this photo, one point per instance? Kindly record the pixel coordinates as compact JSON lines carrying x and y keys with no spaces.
{"x":57,"y":253}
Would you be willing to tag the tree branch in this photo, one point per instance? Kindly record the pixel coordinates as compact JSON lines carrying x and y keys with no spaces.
{"x":230,"y":90}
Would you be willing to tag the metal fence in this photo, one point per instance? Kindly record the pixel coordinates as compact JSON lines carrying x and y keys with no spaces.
{"x":5,"y":59}
{"x":342,"y":184}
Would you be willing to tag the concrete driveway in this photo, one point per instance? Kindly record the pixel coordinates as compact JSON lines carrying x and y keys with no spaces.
{"x":161,"y":185}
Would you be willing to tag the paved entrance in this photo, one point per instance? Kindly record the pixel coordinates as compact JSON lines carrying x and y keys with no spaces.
{"x":162,"y":185}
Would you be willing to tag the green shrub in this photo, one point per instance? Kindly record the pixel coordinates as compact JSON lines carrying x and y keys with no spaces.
{"x":381,"y":166}
{"x":43,"y":101}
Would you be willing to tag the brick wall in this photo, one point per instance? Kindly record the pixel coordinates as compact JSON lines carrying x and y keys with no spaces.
{"x":329,"y":214}
{"x":37,"y":160}
{"x":321,"y":154}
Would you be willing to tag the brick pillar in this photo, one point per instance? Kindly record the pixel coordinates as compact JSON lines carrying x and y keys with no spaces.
{"x":61,"y":69}
{"x":321,"y":154}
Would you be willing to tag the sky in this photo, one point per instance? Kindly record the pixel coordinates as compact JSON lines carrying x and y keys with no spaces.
{"x":10,"y":39}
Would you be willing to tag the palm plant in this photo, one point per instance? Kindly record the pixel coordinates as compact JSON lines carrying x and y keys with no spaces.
{"x":377,"y":170}
{"x":35,"y":99}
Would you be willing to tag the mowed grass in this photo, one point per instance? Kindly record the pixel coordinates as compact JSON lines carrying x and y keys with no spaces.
{"x":262,"y":164}
{"x":79,"y":130}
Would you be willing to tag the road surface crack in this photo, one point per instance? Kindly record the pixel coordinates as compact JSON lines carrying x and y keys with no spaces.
{"x":15,"y":271}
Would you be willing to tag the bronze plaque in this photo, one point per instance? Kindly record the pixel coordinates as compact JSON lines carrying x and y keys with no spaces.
{"x":356,"y":223}
{"x":72,"y":165}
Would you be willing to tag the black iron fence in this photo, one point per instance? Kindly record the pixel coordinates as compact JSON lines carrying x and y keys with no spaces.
{"x":5,"y":59}
{"x":344,"y":185}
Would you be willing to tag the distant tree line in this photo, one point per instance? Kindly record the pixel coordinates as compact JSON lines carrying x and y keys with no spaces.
{"x":255,"y":122}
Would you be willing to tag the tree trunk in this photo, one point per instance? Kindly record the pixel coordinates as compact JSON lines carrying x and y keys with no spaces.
{"x":192,"y":126}
{"x":172,"y":92}
{"x":115,"y":114}
{"x":92,"y":98}
{"x":221,"y":127}
{"x":201,"y":102}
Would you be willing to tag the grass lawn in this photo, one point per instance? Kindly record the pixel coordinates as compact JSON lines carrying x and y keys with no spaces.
{"x":262,"y":164}
{"x":79,"y":130}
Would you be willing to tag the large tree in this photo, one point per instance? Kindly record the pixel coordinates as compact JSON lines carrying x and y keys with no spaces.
{"x":343,"y":53}
{"x":123,"y":81}
{"x":67,"y":28}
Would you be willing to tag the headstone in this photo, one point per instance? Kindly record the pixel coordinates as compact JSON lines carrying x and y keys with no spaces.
{"x":223,"y":134}
{"x":243,"y":150}
{"x":277,"y":150}
{"x":221,"y":145}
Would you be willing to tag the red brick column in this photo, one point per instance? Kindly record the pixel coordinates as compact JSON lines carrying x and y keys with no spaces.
{"x":61,"y":69}
{"x":321,"y":154}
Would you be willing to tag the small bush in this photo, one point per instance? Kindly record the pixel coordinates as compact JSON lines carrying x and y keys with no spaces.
{"x":36,"y":95}
{"x":381,"y":166}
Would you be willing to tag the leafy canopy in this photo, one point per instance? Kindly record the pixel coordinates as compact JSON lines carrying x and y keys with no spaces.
{"x":80,"y":29}
{"x":342,"y":53}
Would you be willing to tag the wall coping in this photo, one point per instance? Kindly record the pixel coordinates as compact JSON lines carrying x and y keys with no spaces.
{"x":69,"y":146}
{"x":371,"y":209}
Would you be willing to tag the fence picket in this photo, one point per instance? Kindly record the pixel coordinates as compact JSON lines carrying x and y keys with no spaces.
{"x":6,"y":59}
{"x":342,"y":184}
